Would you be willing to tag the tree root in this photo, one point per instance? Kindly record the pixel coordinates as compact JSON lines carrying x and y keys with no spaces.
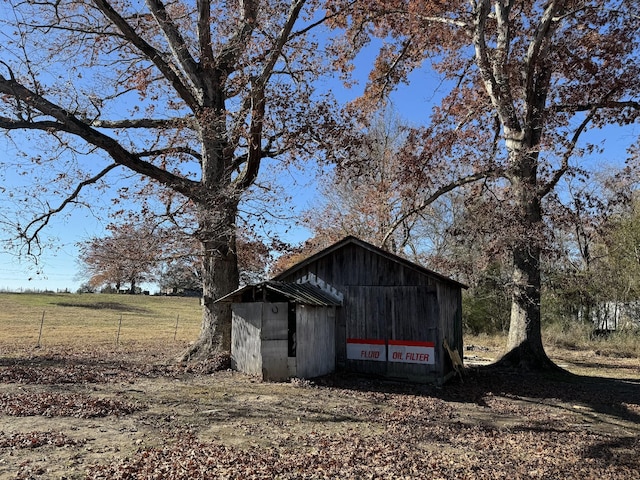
{"x":525,"y":359}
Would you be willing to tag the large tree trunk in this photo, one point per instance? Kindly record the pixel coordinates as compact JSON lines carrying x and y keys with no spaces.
{"x":524,"y":345}
{"x":220,"y":277}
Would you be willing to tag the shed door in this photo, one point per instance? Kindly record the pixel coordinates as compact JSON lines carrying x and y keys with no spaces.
{"x":246,"y":348}
{"x":275,"y":341}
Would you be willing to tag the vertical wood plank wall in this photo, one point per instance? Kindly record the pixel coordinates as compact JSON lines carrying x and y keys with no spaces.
{"x":259,"y":339}
{"x":315,"y":334}
{"x":274,"y":341}
{"x":387,"y":299}
{"x":246,"y":348}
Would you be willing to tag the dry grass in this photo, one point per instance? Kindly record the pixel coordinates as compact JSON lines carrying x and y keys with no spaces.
{"x":615,"y":356}
{"x":91,"y":321}
{"x":621,"y":344}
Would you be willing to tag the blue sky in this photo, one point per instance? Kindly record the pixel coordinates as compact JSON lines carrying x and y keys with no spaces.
{"x":57,"y":269}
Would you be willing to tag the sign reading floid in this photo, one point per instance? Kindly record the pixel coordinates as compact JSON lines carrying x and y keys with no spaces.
{"x":406,"y":351}
{"x":360,"y":349}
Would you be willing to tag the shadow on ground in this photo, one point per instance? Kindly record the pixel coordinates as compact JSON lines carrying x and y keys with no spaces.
{"x":614,"y":398}
{"x":118,"y":307}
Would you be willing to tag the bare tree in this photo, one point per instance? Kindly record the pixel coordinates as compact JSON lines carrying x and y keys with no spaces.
{"x":374,"y":193}
{"x":189,"y":95}
{"x":528,"y":77}
{"x":364,"y":202}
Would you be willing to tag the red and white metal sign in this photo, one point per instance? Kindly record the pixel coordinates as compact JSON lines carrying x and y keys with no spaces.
{"x":403,"y":351}
{"x":407,"y":351}
{"x":362,"y":349}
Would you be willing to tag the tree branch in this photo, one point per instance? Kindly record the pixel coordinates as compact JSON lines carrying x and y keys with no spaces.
{"x":535,"y":47}
{"x":443,"y":20}
{"x":176,"y":42}
{"x":204,"y":32}
{"x":581,"y":107}
{"x":319,"y":22}
{"x":41,"y":221}
{"x":67,"y":122}
{"x":171,"y":151}
{"x":564,"y":164}
{"x":145,"y":123}
{"x":237,"y":43}
{"x":502,"y":104}
{"x":533,"y":70}
{"x":434,"y":196}
{"x":258,"y":101}
{"x":11,"y":124}
{"x":501,"y":55}
{"x":172,"y":74}
{"x":403,"y":52}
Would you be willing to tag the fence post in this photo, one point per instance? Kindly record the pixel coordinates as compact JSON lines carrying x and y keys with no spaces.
{"x":40,"y":334}
{"x":118,"y":335}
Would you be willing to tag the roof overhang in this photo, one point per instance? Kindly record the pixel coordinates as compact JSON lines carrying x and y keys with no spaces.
{"x":302,"y":293}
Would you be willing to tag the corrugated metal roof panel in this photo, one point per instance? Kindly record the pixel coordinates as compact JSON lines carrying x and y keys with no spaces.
{"x":304,"y":293}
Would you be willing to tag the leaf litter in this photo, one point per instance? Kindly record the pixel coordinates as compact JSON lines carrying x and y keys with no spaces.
{"x":95,"y":417}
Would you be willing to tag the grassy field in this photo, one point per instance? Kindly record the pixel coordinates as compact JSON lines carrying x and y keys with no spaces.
{"x":98,"y":321}
{"x":82,"y":407}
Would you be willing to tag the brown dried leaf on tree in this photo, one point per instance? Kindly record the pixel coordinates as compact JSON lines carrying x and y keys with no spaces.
{"x":527,"y":79}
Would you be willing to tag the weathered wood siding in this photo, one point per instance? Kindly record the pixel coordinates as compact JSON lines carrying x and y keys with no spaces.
{"x":246,"y":345}
{"x":353,"y":265}
{"x":390,"y":300}
{"x":408,"y":313}
{"x":414,"y":317}
{"x":365,"y":315}
{"x":315,"y":334}
{"x":259,"y":339}
{"x":274,"y":341}
{"x":450,"y":322}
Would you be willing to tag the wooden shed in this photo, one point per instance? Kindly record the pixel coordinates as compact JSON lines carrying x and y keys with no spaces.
{"x":354,"y":307}
{"x":281,"y":330}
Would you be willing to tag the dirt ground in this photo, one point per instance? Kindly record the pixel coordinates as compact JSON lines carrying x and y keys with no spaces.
{"x":66,"y":414}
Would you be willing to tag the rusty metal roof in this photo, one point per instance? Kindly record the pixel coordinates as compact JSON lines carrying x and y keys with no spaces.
{"x":304,"y":293}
